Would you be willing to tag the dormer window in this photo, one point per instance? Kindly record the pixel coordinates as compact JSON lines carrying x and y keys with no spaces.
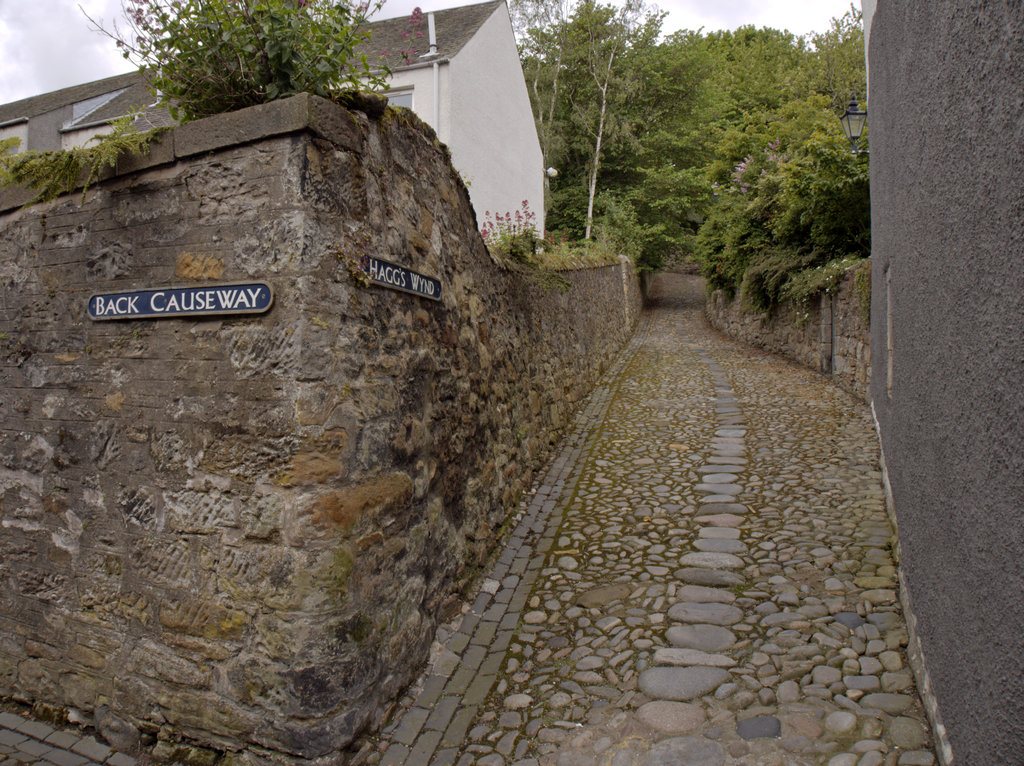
{"x":83,"y":109}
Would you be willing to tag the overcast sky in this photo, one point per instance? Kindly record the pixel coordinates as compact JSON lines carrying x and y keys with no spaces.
{"x":49,"y":44}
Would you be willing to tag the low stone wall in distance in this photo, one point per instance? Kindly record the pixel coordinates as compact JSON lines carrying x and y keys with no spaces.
{"x":830,"y":334}
{"x":242,"y":529}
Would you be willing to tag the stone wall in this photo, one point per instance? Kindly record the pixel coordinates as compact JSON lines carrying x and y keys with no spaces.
{"x":830,"y":335}
{"x":243,"y":530}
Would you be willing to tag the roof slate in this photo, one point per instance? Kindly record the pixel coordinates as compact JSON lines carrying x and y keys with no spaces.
{"x":453,"y":27}
{"x":34,"y":106}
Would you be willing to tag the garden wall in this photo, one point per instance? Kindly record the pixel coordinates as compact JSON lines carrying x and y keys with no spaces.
{"x":243,"y":529}
{"x":830,"y":334}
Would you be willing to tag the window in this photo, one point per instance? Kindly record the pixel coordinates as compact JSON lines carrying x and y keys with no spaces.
{"x":400,"y":98}
{"x":84,"y":108}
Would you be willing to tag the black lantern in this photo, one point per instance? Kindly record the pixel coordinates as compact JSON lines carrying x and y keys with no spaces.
{"x":854,"y":121}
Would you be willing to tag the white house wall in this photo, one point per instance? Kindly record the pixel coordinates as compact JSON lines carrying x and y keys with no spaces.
{"x":493,"y":140}
{"x":18,"y":131}
{"x":84,"y":137}
{"x":421,"y":80}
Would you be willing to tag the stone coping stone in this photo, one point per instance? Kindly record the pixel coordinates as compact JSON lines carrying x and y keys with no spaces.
{"x":303,"y":112}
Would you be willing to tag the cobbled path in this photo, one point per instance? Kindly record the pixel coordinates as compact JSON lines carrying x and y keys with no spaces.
{"x":703,"y":578}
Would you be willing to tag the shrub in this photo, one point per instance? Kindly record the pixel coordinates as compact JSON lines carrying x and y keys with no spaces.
{"x":204,"y":57}
{"x":513,"y":234}
{"x":788,"y":211}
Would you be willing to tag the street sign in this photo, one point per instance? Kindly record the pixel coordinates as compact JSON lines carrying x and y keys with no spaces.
{"x":159,"y":303}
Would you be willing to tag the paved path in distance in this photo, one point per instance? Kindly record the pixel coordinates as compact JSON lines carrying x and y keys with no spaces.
{"x":703,"y":578}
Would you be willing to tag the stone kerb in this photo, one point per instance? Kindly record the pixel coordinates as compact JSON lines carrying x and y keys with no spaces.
{"x":242,"y":530}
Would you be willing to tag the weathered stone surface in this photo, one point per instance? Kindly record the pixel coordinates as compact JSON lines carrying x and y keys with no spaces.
{"x":711,"y":577}
{"x":907,"y":733}
{"x":705,"y":638}
{"x":679,"y":656}
{"x":759,"y":726}
{"x":672,"y":717}
{"x":685,"y":751}
{"x":381,"y":495}
{"x":246,"y":528}
{"x":683,"y":684}
{"x":705,"y":613}
{"x":795,"y":330}
{"x":601,"y":596}
{"x":711,"y":560}
{"x":700,"y":593}
{"x":893,"y":704}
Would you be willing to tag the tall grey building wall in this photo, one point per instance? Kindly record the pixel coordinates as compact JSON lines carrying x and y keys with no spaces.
{"x":947,"y":185}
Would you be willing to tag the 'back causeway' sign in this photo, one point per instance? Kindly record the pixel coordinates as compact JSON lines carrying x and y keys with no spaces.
{"x":210,"y":300}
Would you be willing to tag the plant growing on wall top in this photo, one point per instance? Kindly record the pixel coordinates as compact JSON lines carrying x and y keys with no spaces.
{"x":204,"y":57}
{"x":513,"y":233}
{"x":52,"y":174}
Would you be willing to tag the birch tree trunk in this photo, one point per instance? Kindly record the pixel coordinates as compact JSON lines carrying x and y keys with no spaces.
{"x":603,"y":87}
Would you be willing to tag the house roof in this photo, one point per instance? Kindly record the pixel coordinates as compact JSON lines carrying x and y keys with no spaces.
{"x":34,"y":106}
{"x":453,"y":27}
{"x":128,"y":91}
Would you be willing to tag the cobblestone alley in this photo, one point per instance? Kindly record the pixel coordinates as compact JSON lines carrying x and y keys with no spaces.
{"x":703,"y":578}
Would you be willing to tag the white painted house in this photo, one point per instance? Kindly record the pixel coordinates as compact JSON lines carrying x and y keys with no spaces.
{"x":457,"y":69}
{"x":460,"y":73}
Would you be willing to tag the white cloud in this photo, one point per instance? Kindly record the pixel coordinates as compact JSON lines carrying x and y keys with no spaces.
{"x":49,"y":44}
{"x":798,"y":16}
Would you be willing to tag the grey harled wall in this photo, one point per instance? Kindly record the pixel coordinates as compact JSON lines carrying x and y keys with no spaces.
{"x":947,"y":191}
{"x":244,"y":529}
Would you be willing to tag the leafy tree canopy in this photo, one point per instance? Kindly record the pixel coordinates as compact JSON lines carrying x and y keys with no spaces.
{"x":722,"y":147}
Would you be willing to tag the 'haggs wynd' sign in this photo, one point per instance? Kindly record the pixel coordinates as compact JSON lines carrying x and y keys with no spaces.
{"x":397,"y":277}
{"x":211,"y":300}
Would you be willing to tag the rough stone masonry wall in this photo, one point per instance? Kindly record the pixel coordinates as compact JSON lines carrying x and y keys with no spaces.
{"x":830,"y":335}
{"x":245,"y":529}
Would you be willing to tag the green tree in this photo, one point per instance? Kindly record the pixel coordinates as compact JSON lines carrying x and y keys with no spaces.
{"x":658,"y":191}
{"x":752,"y":70}
{"x":542,"y":32}
{"x":835,"y":66}
{"x":797,"y":201}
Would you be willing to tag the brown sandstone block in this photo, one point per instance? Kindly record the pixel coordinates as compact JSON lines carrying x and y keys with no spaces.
{"x":345,"y":508}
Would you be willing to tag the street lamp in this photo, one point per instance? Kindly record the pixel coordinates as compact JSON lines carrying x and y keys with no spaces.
{"x":854,"y":121}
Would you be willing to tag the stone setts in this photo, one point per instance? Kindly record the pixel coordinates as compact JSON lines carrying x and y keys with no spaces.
{"x":242,"y":531}
{"x":597,"y":639}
